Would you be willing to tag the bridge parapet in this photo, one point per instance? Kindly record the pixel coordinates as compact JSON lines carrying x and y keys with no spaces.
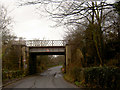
{"x":40,"y":43}
{"x":45,"y":43}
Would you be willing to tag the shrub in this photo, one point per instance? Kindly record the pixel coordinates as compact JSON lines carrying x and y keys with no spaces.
{"x":76,"y":73}
{"x":94,"y":77}
{"x":11,"y":74}
{"x":104,"y":77}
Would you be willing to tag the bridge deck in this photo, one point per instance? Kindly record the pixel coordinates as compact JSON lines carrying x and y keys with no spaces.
{"x":44,"y":46}
{"x":47,"y":49}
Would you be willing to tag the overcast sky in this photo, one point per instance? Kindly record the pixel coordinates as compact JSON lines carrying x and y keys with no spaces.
{"x":29,"y":24}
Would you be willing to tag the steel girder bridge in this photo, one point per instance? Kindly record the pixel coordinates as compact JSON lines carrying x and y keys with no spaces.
{"x":32,"y":48}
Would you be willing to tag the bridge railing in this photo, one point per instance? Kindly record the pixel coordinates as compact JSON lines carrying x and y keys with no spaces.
{"x":45,"y":43}
{"x":41,"y":42}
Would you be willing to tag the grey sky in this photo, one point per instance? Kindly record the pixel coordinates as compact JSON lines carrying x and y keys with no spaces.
{"x":29,"y":24}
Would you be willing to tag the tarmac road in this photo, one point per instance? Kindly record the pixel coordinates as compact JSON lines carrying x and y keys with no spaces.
{"x":51,"y":78}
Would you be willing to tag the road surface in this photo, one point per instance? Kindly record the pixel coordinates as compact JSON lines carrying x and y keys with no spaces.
{"x":51,"y":78}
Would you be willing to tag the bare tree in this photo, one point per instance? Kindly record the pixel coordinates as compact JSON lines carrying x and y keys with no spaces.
{"x":92,"y":15}
{"x":10,"y":56}
{"x":5,"y":23}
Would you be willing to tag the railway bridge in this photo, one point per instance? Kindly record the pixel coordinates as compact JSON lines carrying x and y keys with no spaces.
{"x":32,"y":48}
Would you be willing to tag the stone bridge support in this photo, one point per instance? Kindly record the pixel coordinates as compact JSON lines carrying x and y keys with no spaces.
{"x":68,"y":54}
{"x":24,"y":59}
{"x":28,"y":61}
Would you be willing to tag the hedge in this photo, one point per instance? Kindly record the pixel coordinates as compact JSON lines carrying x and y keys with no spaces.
{"x":95,"y":77}
{"x":103,"y":77}
{"x":11,"y":74}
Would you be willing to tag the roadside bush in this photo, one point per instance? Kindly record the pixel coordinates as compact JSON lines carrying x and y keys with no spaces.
{"x":7,"y":75}
{"x":94,"y":77}
{"x":76,"y":73}
{"x":103,"y":77}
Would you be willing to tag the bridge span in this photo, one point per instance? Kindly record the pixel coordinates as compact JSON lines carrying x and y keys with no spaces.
{"x":32,"y":48}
